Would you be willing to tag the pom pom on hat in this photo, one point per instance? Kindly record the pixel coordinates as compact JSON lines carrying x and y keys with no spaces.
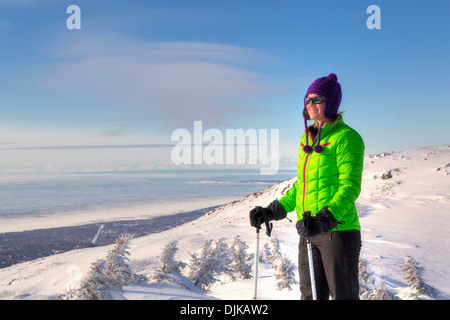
{"x":318,"y":149}
{"x":333,"y":76}
{"x":307,"y":149}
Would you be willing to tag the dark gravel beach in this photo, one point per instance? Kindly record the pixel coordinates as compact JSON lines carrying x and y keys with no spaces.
{"x":16,"y":247}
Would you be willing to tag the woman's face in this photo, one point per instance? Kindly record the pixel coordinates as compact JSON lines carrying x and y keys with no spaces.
{"x":316,"y":111}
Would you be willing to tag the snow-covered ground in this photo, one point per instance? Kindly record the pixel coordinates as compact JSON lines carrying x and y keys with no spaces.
{"x":407,"y":214}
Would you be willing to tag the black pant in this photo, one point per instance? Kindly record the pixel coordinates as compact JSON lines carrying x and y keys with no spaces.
{"x":335,"y":260}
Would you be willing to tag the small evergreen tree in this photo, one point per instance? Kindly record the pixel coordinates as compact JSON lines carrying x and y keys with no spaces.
{"x":96,"y":286}
{"x":205,"y":267}
{"x":200,"y":271}
{"x":284,"y":274}
{"x":221,"y":254}
{"x":169,"y":264}
{"x":275,"y":252}
{"x":364,"y":276}
{"x":265,"y":253}
{"x":414,"y":277}
{"x":117,"y":268}
{"x":106,"y":275}
{"x":239,"y":259}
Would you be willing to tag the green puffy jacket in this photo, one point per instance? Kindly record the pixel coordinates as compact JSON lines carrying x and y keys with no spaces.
{"x":331,"y":178}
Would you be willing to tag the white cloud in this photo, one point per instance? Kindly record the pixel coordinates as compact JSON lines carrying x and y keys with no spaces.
{"x":172,"y":82}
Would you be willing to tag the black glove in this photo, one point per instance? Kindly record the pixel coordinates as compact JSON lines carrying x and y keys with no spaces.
{"x":309,"y":226}
{"x":259,"y":215}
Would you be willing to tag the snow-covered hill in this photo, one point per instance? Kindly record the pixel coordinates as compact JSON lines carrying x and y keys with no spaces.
{"x":404,"y":210}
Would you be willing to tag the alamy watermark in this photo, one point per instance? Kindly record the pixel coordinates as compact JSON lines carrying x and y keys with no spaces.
{"x":74,"y":279}
{"x":74,"y":20}
{"x":235,"y":147}
{"x":374,"y":21}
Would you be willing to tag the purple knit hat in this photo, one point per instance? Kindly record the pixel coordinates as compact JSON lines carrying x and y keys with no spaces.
{"x":329,"y":88}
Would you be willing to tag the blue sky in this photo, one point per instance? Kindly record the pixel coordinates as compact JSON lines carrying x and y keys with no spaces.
{"x":138,"y":70}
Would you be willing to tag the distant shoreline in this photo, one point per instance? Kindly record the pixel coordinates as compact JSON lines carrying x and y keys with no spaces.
{"x":102,"y":214}
{"x":22,"y":246}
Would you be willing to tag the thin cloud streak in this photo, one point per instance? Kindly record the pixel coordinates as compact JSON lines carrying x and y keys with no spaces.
{"x":131,"y":146}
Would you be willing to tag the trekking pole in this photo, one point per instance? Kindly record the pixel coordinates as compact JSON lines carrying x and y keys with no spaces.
{"x":256,"y":259}
{"x":311,"y":268}
{"x":269,"y":227}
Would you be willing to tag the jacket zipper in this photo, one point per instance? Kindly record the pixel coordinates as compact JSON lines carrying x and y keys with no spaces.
{"x":304,"y":181}
{"x":304,"y":174}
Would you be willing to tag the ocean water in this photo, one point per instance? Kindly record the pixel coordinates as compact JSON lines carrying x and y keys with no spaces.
{"x":42,"y":195}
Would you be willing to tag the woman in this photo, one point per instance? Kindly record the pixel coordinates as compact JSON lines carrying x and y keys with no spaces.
{"x":330,"y":165}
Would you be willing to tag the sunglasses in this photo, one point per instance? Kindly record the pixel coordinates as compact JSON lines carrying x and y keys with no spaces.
{"x":315,"y":100}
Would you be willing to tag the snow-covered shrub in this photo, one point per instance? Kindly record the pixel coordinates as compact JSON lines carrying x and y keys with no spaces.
{"x":364,"y":276}
{"x":275,"y":252}
{"x":108,"y":275}
{"x":270,"y":251}
{"x":117,"y":266}
{"x":239,"y":259}
{"x":169,"y":264}
{"x":212,"y":260}
{"x":284,"y":273}
{"x":414,"y":277}
{"x":96,"y":286}
{"x":264,"y":254}
{"x":370,"y":287}
{"x":285,"y":270}
{"x":380,"y":293}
